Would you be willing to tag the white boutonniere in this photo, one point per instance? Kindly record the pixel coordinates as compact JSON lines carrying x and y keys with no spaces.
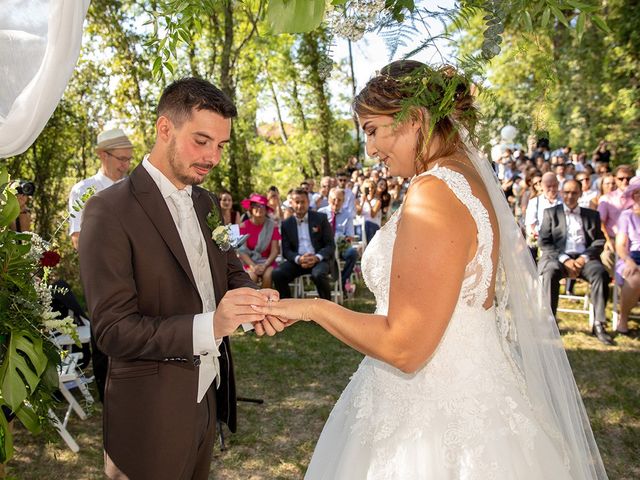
{"x":225,"y":236}
{"x":221,"y":234}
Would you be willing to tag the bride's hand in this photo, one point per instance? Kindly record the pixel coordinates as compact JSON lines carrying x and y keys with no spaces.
{"x":288,"y":310}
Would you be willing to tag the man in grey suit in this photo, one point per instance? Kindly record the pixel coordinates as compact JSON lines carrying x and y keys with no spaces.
{"x":571,"y":242}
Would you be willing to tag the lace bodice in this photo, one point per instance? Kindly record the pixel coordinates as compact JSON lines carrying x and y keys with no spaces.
{"x":377,"y":258}
{"x":464,"y":414}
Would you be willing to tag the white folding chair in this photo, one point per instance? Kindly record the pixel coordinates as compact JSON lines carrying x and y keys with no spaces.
{"x":581,"y":305}
{"x":71,"y":376}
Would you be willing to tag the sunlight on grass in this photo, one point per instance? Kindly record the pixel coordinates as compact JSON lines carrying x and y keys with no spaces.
{"x":300,"y":375}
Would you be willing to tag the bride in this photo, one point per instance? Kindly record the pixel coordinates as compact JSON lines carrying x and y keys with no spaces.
{"x":465,"y":376}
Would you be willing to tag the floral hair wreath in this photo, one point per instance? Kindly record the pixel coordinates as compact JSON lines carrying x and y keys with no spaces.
{"x":443,"y":92}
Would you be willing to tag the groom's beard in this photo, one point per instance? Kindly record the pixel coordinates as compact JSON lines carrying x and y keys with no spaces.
{"x":181,"y":172}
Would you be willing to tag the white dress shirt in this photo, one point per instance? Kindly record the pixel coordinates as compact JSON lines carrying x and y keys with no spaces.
{"x":575,"y":234}
{"x":204,"y":340}
{"x":535,"y":212}
{"x":99,"y":182}
{"x":304,"y":238}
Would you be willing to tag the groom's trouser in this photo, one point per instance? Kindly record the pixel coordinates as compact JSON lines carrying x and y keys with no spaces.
{"x":199,"y":462}
{"x":198,"y":454}
{"x":289,"y":271}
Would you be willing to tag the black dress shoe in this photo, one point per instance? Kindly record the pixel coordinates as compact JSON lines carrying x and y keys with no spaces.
{"x":601,"y":334}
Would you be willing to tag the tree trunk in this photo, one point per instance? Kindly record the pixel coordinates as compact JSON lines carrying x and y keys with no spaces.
{"x":353,"y":91}
{"x":228,"y":87}
{"x":274,"y":96}
{"x":318,"y":86}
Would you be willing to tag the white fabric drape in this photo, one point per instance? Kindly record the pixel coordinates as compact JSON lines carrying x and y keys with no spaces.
{"x":39,"y":46}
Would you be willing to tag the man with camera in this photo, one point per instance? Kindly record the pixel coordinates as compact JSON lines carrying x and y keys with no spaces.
{"x":24,"y":190}
{"x":115,"y":151}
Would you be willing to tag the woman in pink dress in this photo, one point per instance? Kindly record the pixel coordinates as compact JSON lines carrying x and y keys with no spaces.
{"x":628,"y":250}
{"x":259,"y":253}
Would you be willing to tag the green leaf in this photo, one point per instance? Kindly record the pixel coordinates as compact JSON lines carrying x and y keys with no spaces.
{"x":4,"y":176}
{"x":184,"y":35}
{"x":545,"y":17}
{"x":580,"y":25}
{"x":295,"y":16}
{"x":29,"y":419}
{"x":6,"y":439}
{"x":559,"y":15}
{"x":169,"y":66}
{"x":601,"y":24}
{"x":10,"y":210}
{"x":528,"y":23}
{"x":16,"y":374}
{"x":157,"y":64}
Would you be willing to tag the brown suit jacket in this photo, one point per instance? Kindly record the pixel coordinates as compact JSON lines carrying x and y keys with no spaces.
{"x":142,"y":298}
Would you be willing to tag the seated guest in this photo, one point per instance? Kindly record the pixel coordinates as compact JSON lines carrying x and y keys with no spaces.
{"x":628,"y":250}
{"x":571,"y":242}
{"x":259,"y":252}
{"x":536,"y":207}
{"x":273,"y":196}
{"x":307,"y":246}
{"x":321,"y":198}
{"x":341,"y":222}
{"x":230,"y":216}
{"x":588,"y":198}
{"x":610,"y":206}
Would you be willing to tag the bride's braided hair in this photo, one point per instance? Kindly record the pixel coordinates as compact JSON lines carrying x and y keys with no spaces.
{"x":442,"y":99}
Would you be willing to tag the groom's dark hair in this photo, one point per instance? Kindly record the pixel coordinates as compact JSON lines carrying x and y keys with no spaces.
{"x":180,"y":98}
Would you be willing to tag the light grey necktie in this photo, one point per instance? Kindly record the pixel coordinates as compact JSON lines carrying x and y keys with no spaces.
{"x":188,"y":225}
{"x":193,"y":242}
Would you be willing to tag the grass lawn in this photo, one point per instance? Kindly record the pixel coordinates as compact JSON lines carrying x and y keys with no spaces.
{"x":300,"y":375}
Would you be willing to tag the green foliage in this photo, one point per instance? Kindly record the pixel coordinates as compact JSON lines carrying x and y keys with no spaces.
{"x":580,"y":86}
{"x":295,"y":16}
{"x":27,"y":358}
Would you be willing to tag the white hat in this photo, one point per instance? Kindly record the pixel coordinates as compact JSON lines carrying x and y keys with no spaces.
{"x":112,"y":139}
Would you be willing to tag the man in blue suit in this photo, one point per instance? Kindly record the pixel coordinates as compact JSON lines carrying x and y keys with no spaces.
{"x":307,"y":246}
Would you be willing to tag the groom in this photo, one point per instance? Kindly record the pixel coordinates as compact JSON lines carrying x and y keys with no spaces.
{"x":163,"y":296}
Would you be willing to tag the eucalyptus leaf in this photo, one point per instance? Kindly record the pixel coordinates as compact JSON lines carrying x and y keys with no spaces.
{"x":295,"y":16}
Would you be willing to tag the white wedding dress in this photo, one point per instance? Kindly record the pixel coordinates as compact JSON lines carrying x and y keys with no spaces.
{"x":463,"y":415}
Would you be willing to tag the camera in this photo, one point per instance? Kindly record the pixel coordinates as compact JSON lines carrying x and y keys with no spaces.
{"x":26,"y":188}
{"x":366,"y":190}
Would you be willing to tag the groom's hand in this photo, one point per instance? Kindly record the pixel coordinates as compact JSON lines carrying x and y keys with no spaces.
{"x":235,"y":308}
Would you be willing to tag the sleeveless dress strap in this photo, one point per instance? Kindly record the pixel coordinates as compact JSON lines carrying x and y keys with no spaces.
{"x":479,"y":271}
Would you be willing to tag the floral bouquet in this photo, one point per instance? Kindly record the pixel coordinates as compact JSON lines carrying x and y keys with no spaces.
{"x":343,"y":244}
{"x":28,"y":356}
